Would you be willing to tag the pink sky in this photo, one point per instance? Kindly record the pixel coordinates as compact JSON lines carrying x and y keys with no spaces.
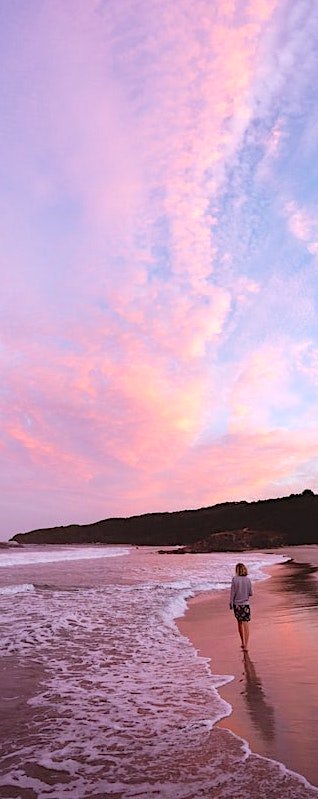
{"x":159,"y":332}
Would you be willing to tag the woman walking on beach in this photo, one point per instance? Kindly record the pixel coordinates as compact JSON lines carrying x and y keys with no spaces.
{"x":241,"y":590}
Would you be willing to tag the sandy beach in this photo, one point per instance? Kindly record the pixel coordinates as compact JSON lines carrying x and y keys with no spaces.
{"x":274,"y":695}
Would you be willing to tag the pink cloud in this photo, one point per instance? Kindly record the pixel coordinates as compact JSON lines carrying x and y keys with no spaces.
{"x":246,"y":466}
{"x":263,"y":386}
{"x":137,"y":417}
{"x":122,"y":292}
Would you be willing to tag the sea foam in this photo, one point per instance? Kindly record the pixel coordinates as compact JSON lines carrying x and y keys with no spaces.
{"x":17,"y":589}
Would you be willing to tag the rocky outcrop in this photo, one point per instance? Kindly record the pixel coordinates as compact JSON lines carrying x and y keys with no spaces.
{"x":293,"y":519}
{"x":233,"y":541}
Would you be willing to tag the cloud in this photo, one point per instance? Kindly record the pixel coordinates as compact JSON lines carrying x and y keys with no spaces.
{"x":245,"y":466}
{"x":147,"y":303}
{"x":303,"y":224}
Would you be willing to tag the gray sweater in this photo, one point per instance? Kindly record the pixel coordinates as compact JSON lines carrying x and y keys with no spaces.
{"x":241,"y":590}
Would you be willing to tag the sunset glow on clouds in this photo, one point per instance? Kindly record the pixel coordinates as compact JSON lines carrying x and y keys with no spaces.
{"x":159,"y":260}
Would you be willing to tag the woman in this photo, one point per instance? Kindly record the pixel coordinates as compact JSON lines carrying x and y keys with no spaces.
{"x":241,"y":590}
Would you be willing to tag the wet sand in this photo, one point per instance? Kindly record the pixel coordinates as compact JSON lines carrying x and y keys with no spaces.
{"x":274,"y":694}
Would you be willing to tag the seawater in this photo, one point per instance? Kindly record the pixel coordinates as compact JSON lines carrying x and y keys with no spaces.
{"x":118,"y":703}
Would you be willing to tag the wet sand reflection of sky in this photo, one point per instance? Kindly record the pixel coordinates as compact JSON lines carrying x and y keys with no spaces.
{"x":260,"y":710}
{"x":300,"y":579}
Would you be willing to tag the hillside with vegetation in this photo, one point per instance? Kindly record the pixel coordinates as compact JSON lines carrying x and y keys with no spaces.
{"x":288,"y":520}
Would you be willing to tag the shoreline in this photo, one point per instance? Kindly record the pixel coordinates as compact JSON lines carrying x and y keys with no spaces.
{"x":273,"y":692}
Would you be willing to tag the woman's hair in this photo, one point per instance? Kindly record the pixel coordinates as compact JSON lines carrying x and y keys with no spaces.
{"x":241,"y":570}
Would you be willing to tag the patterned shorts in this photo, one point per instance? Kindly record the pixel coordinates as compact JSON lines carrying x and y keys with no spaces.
{"x":242,"y":612}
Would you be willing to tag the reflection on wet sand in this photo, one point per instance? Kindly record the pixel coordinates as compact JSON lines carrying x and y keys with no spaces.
{"x":299,"y":579}
{"x":261,"y":712}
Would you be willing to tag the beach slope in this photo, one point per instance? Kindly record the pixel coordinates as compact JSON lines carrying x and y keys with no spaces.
{"x":274,"y":691}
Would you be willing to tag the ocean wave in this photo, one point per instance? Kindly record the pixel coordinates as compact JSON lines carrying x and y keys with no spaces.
{"x":27,"y":557}
{"x":17,"y":589}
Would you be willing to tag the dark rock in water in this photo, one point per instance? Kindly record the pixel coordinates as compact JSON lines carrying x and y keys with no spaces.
{"x":234,"y":526}
{"x":234,"y":541}
{"x":10,"y":544}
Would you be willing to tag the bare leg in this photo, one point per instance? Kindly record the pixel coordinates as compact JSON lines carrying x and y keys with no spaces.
{"x":240,"y":629}
{"x":245,"y":634}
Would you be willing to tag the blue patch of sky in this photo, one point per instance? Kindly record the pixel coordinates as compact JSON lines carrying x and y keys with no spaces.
{"x":296,"y":170}
{"x":243,"y":230}
{"x":244,"y":206}
{"x":60,"y":217}
{"x":48,"y":236}
{"x":160,"y":266}
{"x":15,"y":20}
{"x":53,"y":263}
{"x":251,"y":225}
{"x":102,"y":305}
{"x":215,"y":427}
{"x":289,"y":419}
{"x":66,"y":345}
{"x":269,"y":321}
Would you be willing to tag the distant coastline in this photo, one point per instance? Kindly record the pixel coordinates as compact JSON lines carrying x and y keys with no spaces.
{"x":229,"y":526}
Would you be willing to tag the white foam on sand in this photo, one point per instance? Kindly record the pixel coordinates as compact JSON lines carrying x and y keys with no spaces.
{"x":17,"y":589}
